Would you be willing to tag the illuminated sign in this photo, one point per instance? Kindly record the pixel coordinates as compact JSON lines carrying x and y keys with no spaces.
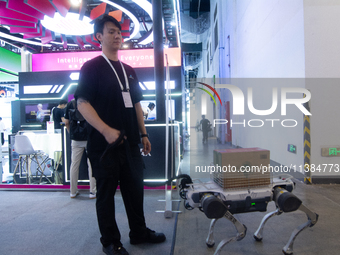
{"x":68,"y":61}
{"x":292,"y":148}
{"x":330,"y":152}
{"x":48,"y":85}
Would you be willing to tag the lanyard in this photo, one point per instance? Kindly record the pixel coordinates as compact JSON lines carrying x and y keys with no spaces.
{"x":126,"y":79}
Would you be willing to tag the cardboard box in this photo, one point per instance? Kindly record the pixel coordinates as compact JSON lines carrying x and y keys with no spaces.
{"x":241,"y":168}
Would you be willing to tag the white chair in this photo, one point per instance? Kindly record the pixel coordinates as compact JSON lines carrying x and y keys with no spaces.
{"x":24,"y":148}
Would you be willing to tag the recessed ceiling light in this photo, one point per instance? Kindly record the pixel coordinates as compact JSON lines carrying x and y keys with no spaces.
{"x":69,"y":25}
{"x":75,"y":2}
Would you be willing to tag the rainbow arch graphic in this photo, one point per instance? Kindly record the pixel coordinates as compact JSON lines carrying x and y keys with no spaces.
{"x":209,"y":93}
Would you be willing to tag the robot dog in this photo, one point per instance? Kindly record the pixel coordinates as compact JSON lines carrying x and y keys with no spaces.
{"x":217,"y":202}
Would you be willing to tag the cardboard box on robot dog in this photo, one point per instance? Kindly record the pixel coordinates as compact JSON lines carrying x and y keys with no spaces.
{"x":243,"y":167}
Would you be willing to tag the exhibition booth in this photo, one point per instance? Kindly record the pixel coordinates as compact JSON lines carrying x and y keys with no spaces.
{"x":54,"y":77}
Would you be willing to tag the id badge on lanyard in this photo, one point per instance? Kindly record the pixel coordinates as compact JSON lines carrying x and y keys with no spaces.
{"x":127,"y":99}
{"x":125,"y":94}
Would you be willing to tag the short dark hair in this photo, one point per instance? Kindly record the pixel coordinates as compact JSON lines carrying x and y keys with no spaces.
{"x":151,"y":105}
{"x":100,"y":22}
{"x":62,"y":102}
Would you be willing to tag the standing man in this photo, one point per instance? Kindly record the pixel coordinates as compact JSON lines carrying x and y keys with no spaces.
{"x":58,"y":114}
{"x":205,"y":128}
{"x":108,"y":96}
{"x":78,"y":136}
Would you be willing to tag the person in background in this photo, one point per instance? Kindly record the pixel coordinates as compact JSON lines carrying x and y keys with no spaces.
{"x":110,"y":103}
{"x":58,"y":114}
{"x":40,"y":113}
{"x":78,"y":146}
{"x":2,"y":131}
{"x":205,"y":123}
{"x":147,"y":110}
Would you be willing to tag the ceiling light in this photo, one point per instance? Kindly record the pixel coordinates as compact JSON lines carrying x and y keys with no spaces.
{"x":75,"y":2}
{"x":14,"y":38}
{"x":69,"y":25}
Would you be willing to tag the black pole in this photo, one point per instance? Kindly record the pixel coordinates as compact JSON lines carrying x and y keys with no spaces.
{"x":158,"y":59}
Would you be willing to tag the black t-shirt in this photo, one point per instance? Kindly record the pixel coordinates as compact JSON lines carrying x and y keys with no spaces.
{"x":99,"y":85}
{"x":68,"y":107}
{"x":205,"y":124}
{"x":57,"y":114}
{"x":83,"y":133}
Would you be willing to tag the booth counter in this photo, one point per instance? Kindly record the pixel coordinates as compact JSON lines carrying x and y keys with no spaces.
{"x":52,"y":165}
{"x":48,"y":143}
{"x":36,"y":161}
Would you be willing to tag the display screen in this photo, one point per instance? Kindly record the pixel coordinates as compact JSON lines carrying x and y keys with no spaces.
{"x":74,"y":60}
{"x":38,"y":113}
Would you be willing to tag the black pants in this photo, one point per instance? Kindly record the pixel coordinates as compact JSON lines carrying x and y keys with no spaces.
{"x":205,"y":134}
{"x":129,"y":175}
{"x":2,"y":138}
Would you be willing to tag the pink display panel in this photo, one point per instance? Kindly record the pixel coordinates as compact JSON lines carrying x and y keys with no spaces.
{"x":62,"y":6}
{"x":20,"y":6}
{"x":16,"y":30}
{"x":18,"y":23}
{"x":44,"y":7}
{"x":75,"y":60}
{"x":7,"y":13}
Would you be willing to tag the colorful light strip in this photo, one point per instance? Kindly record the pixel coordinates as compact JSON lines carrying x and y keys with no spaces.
{"x":14,"y":38}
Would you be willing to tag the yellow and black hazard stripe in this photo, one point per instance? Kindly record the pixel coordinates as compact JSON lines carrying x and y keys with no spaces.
{"x":307,"y":145}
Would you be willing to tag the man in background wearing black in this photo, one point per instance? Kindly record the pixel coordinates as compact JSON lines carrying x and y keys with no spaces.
{"x":205,"y":128}
{"x":58,"y":114}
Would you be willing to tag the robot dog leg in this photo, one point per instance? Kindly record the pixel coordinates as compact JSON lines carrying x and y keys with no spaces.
{"x":287,"y":202}
{"x":241,"y":233}
{"x":312,"y":219}
{"x":214,"y":209}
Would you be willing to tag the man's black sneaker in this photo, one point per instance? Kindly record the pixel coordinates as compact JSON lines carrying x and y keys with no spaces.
{"x":151,"y":237}
{"x":115,"y":250}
